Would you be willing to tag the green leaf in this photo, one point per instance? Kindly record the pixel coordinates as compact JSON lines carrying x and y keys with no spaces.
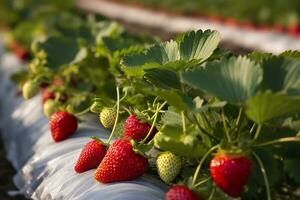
{"x":59,"y":50}
{"x":265,"y":106}
{"x":218,"y":104}
{"x":259,"y":56}
{"x":233,"y":80}
{"x":291,"y":54}
{"x":171,"y":117}
{"x":161,"y":78}
{"x":291,"y":166}
{"x":174,"y":98}
{"x":199,"y":45}
{"x":154,"y":57}
{"x":171,"y":138}
{"x":282,"y":74}
{"x":173,"y":55}
{"x":20,"y":76}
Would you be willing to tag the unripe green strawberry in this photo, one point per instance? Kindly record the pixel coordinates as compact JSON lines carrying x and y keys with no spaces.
{"x":107,"y":117}
{"x":50,"y":107}
{"x":30,"y":89}
{"x":168,"y":166}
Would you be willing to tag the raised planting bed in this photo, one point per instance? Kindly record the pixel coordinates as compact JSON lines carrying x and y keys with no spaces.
{"x":170,"y":119}
{"x":45,"y":170}
{"x":250,"y":38}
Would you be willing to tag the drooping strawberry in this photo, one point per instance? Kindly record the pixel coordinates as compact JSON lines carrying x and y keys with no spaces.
{"x":91,"y":156}
{"x":121,"y":163}
{"x":62,"y":125}
{"x":137,"y":130}
{"x":107,"y":117}
{"x":230,"y":173}
{"x":168,"y":166}
{"x":181,"y":192}
{"x":30,"y":89}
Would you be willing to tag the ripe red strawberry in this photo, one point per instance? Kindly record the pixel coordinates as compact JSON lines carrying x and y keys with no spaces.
{"x":62,"y":125}
{"x":91,"y":156}
{"x":230,"y":173}
{"x":180,"y":192}
{"x":137,"y":130}
{"x":19,"y":51}
{"x":21,"y":54}
{"x":121,"y":163}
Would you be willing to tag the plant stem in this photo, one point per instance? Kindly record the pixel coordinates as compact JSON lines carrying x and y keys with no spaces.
{"x":125,"y":95}
{"x":183,"y":122}
{"x":212,"y":193}
{"x":252,"y":128}
{"x":204,"y":131}
{"x":83,"y":112}
{"x":117,"y":116}
{"x":256,"y":135}
{"x":127,"y":110}
{"x":153,"y":123}
{"x":263,"y":171}
{"x":201,"y":163}
{"x":201,"y":182}
{"x":206,"y":120}
{"x":239,"y":117}
{"x":280,"y":140}
{"x":225,"y":127}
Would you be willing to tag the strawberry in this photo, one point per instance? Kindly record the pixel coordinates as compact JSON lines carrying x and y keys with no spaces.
{"x":30,"y":89}
{"x":62,"y":125}
{"x":21,"y":53}
{"x":47,"y":94}
{"x":137,"y":130}
{"x":180,"y":192}
{"x":107,"y":117}
{"x":19,"y":50}
{"x":230,"y":172}
{"x":121,"y":163}
{"x":50,"y":107}
{"x":168,"y":166}
{"x":58,"y":82}
{"x":91,"y":156}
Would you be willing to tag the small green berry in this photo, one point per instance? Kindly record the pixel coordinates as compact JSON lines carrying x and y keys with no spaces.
{"x":50,"y":107}
{"x":108,"y":117}
{"x":30,"y":89}
{"x":168,"y":166}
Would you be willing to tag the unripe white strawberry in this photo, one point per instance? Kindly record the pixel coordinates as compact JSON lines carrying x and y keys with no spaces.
{"x":168,"y":166}
{"x":50,"y":107}
{"x":30,"y":89}
{"x":108,"y":117}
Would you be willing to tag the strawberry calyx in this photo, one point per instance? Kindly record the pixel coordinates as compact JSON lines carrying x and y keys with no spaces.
{"x":97,"y":139}
{"x":232,"y":152}
{"x":142,"y":149}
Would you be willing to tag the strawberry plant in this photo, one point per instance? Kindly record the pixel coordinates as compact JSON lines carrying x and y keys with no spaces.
{"x":224,"y":126}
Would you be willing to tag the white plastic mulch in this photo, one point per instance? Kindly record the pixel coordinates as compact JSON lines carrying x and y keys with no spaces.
{"x":45,"y":169}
